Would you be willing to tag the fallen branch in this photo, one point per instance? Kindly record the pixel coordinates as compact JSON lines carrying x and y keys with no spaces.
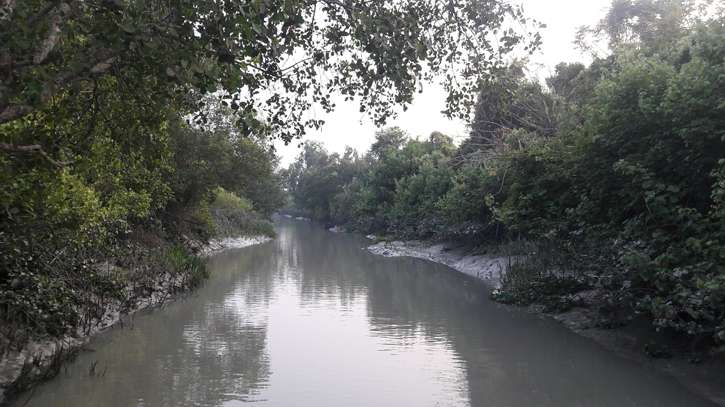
{"x":34,"y":149}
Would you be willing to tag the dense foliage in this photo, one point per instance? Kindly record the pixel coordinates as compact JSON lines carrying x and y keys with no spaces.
{"x":266,"y":58}
{"x":116,"y":206}
{"x":616,"y":169}
{"x":131,"y":131}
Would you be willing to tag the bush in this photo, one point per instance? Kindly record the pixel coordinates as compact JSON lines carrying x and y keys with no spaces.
{"x":535,"y":276}
{"x":641,"y":188}
{"x":228,"y":200}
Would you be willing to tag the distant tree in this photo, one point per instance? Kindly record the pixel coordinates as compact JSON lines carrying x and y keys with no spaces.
{"x":442,"y":143}
{"x":512,"y":111}
{"x":564,"y":75}
{"x":647,"y":24}
{"x":392,"y":138}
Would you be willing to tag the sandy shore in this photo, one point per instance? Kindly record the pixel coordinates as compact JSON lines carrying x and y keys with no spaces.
{"x":706,"y":378}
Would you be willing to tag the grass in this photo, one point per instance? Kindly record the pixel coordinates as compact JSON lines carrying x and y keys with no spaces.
{"x":518,"y":247}
{"x":653,"y":350}
{"x":190,"y":270}
{"x":532,"y":279}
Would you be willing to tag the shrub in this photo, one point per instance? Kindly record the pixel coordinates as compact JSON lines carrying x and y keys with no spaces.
{"x":228,"y":200}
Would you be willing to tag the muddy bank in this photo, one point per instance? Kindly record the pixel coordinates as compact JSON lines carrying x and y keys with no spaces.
{"x":489,"y":269}
{"x":706,"y":377}
{"x":40,"y":360}
{"x":217,"y":245}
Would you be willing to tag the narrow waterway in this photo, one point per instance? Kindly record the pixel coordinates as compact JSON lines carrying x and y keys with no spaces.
{"x":313,"y":319}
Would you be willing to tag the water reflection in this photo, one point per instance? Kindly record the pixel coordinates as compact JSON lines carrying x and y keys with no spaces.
{"x":313,"y":319}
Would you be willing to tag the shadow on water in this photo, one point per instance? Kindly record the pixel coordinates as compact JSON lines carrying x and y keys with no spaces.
{"x":312,"y":318}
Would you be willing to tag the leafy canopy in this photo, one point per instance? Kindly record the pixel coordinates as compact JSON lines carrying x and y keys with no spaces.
{"x":270,"y":59}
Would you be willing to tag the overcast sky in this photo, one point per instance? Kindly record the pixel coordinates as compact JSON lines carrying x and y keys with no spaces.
{"x":343,"y":127}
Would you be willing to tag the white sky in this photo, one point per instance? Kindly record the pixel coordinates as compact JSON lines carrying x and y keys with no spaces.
{"x":343,"y":126}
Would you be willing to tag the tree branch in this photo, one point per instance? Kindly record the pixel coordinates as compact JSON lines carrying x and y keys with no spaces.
{"x":52,"y":39}
{"x":12,"y":113}
{"x":337,"y":3}
{"x":34,"y":149}
{"x":15,"y":112}
{"x":102,"y":66}
{"x":43,"y":12}
{"x":8,"y":6}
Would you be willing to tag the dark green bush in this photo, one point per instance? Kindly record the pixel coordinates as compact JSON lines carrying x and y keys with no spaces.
{"x":644,"y":182}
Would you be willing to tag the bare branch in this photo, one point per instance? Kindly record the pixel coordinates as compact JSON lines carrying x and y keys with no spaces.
{"x":337,"y":3}
{"x":103,"y":66}
{"x":34,"y":149}
{"x":125,"y":83}
{"x":295,"y":64}
{"x":16,"y":112}
{"x":52,"y":39}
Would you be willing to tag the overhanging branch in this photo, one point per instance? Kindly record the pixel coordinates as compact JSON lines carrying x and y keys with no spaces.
{"x":98,"y":66}
{"x":34,"y":149}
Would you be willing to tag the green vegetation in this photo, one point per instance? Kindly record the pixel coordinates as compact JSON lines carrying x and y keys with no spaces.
{"x":191,"y":270}
{"x":610,"y":176}
{"x":233,"y":216}
{"x":133,"y":131}
{"x":652,"y":350}
{"x":535,"y":279}
{"x":124,"y":206}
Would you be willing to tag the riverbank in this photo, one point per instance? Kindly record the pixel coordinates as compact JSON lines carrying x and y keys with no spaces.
{"x":487,"y":268}
{"x":40,"y":360}
{"x":705,"y":377}
{"x":217,"y":245}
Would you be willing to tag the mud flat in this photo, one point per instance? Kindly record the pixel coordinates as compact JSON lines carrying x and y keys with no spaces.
{"x":487,"y":268}
{"x":217,"y":245}
{"x":706,"y":377}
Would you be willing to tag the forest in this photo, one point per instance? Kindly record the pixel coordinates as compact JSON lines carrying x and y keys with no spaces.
{"x":609,"y":176}
{"x":134,"y":132}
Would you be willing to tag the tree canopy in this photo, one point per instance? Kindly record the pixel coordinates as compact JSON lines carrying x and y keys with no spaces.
{"x":270,"y":59}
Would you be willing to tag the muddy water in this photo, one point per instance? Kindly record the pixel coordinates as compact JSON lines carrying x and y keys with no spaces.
{"x":313,"y":319}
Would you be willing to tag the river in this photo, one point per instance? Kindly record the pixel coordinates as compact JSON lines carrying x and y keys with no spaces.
{"x":313,"y":319}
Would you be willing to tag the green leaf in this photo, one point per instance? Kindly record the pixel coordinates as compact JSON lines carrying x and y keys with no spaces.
{"x":170,"y":72}
{"x":128,"y":27}
{"x":256,"y":28}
